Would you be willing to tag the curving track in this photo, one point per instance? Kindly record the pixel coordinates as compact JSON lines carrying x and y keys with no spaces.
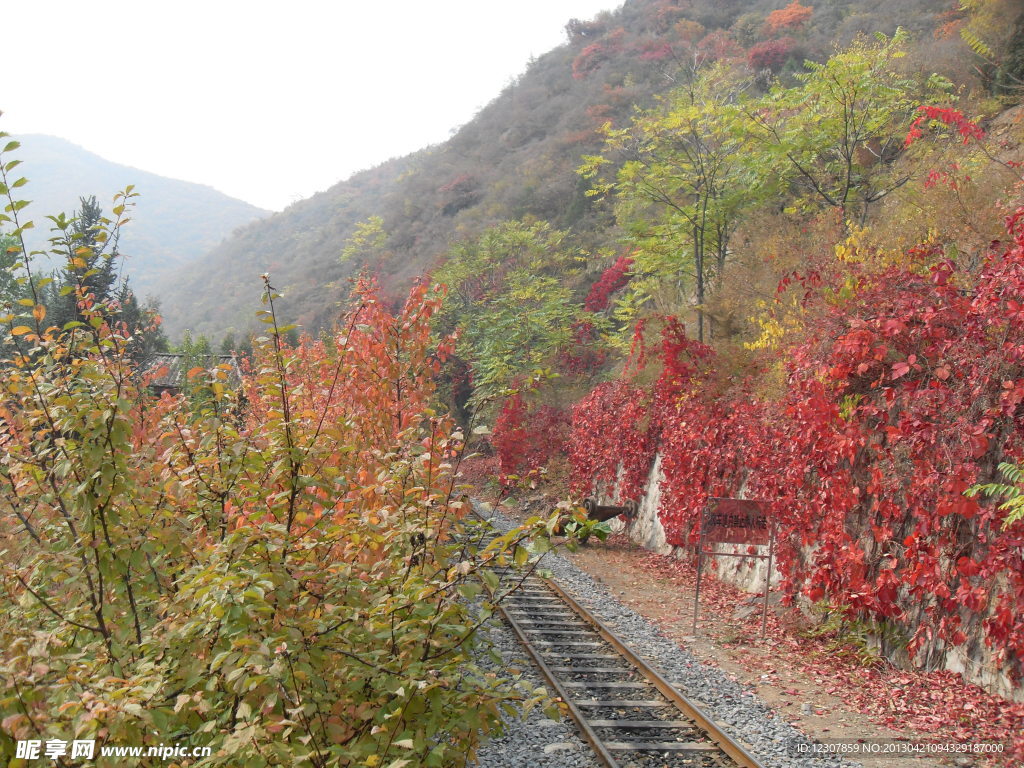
{"x":631,"y":716}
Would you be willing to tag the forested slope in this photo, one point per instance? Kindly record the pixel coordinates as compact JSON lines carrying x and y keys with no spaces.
{"x":518,"y":156}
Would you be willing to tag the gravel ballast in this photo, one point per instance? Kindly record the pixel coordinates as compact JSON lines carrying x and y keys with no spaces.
{"x":735,"y":708}
{"x":536,"y":740}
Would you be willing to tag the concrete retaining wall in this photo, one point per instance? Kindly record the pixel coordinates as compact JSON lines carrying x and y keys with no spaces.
{"x":975,"y":661}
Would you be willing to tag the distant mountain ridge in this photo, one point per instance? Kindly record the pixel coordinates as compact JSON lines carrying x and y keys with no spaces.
{"x":174,"y":223}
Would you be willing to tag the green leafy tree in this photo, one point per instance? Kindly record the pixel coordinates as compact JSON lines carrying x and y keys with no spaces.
{"x":195,"y":352}
{"x":366,"y":244}
{"x":12,"y":291}
{"x":995,"y":33}
{"x":10,"y":260}
{"x":509,"y":300}
{"x":833,"y":137}
{"x":228,"y":343}
{"x":680,"y":186}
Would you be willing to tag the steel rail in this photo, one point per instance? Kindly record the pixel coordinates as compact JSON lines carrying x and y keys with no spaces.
{"x":734,"y":750}
{"x":695,"y":716}
{"x":588,"y":733}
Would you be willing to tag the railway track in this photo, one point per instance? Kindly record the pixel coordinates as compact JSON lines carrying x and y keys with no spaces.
{"x":631,"y":716}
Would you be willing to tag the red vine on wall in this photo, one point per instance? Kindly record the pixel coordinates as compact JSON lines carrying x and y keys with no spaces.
{"x":527,"y":435}
{"x":904,"y":397}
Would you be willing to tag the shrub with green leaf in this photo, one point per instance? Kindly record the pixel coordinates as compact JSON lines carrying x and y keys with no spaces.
{"x":289,"y":583}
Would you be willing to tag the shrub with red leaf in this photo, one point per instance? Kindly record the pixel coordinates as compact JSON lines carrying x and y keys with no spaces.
{"x":904,"y":397}
{"x":954,"y":118}
{"x":611,"y":280}
{"x":654,"y":50}
{"x":584,"y":356}
{"x":597,"y":53}
{"x":527,"y":436}
{"x":771,"y":54}
{"x":718,"y":45}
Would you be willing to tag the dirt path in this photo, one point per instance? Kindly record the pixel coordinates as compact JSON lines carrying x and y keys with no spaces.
{"x":663,"y":600}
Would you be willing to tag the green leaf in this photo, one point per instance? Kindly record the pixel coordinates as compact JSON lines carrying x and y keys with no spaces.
{"x":521,"y":556}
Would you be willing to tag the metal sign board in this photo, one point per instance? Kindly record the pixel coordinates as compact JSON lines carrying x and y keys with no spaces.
{"x":735,"y":521}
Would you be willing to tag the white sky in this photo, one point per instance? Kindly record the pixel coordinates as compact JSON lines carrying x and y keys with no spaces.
{"x":265,"y":101}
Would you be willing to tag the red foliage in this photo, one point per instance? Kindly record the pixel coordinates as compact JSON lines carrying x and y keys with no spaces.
{"x":583,"y":357}
{"x":654,"y":50}
{"x":600,"y":114}
{"x":952,"y":117}
{"x":793,"y":16}
{"x":597,"y":53}
{"x":771,"y":54}
{"x":617,"y":427}
{"x":609,"y":449}
{"x":717,"y":45}
{"x":462,"y":183}
{"x":478,"y":470}
{"x":905,"y":397}
{"x":611,"y":280}
{"x":527,"y":436}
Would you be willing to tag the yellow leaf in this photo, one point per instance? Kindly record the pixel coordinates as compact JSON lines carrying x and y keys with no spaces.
{"x":20,"y":329}
{"x":39,"y":312}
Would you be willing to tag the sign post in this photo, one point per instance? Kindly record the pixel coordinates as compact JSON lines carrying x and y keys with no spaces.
{"x":735,"y":521}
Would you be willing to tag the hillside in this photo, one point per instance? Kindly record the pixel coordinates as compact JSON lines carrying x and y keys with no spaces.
{"x":174,"y":222}
{"x":516,"y":158}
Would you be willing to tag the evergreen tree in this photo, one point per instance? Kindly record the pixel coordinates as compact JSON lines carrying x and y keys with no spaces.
{"x":90,"y":277}
{"x":90,"y":257}
{"x":10,"y":258}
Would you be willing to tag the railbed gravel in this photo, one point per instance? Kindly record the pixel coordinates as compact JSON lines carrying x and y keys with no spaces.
{"x":524,"y":744}
{"x":733,"y":706}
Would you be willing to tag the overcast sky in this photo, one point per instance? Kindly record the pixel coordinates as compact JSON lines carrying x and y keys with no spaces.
{"x":266,"y":101}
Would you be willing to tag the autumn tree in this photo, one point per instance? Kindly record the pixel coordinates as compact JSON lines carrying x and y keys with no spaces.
{"x":792,"y":17}
{"x":680,"y":185}
{"x":834,"y":136}
{"x":300,"y":586}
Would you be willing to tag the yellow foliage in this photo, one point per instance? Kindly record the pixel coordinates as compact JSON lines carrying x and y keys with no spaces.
{"x":863,"y":249}
{"x":778,"y":321}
